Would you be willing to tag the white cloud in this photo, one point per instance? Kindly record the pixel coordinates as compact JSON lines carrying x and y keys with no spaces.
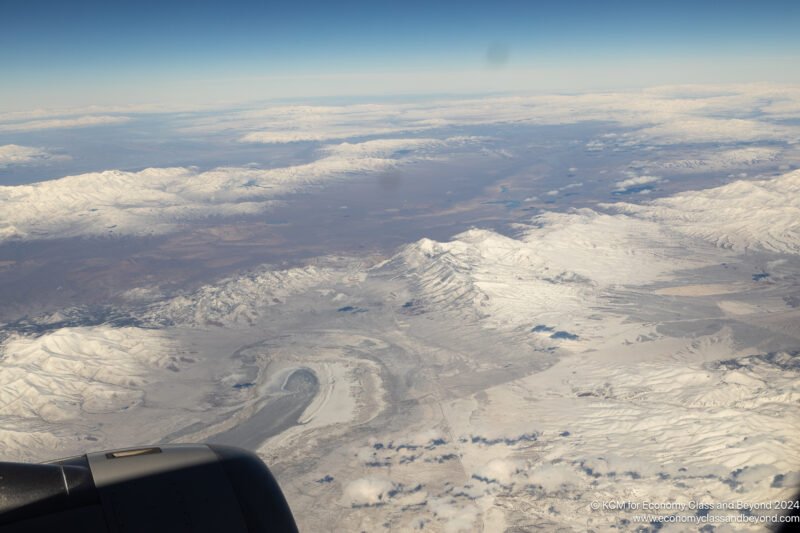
{"x":59,"y":123}
{"x":633,"y":183}
{"x":661,"y":115}
{"x":381,"y":147}
{"x":266,"y":137}
{"x":456,"y":517}
{"x":711,"y":160}
{"x":14,"y":154}
{"x":426,"y":437}
{"x":567,"y":187}
{"x":692,"y":130}
{"x":284,"y":124}
{"x":554,"y":477}
{"x":332,"y":133}
{"x":503,"y":471}
{"x":368,"y":491}
{"x":664,"y":116}
{"x":60,"y":113}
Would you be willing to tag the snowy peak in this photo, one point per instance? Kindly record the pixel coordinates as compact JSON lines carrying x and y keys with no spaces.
{"x":239,"y":301}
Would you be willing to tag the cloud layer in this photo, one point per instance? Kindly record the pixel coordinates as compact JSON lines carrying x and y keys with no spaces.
{"x":62,"y":123}
{"x":14,"y":154}
{"x":660,"y":117}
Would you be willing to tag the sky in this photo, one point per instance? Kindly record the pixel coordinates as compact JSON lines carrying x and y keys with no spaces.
{"x":61,"y":54}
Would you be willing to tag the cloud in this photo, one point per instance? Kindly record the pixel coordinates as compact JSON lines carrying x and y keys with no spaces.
{"x":613,"y":465}
{"x":789,"y":480}
{"x":693,"y":130}
{"x":63,"y":123}
{"x":555,"y":192}
{"x":14,"y":154}
{"x":332,"y":132}
{"x":456,"y":517}
{"x":425,"y":438}
{"x":666,"y":116}
{"x":554,"y":477}
{"x":267,"y":137}
{"x":382,"y":147}
{"x":285,"y":124}
{"x":374,"y":490}
{"x":636,"y":184}
{"x":711,"y":160}
{"x":60,"y":113}
{"x":657,"y":116}
{"x":502,"y":471}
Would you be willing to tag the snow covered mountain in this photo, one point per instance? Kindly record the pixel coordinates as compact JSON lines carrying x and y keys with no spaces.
{"x":157,"y":200}
{"x":744,"y":215}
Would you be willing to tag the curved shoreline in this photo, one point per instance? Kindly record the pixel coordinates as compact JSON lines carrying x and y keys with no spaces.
{"x":277,"y":415}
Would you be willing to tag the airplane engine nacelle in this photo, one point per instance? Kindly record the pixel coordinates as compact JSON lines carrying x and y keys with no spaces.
{"x":177,"y":488}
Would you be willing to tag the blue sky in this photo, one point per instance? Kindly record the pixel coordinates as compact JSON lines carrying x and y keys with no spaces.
{"x":60,"y":53}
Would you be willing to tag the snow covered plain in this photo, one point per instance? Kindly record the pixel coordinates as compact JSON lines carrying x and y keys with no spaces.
{"x":632,"y":351}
